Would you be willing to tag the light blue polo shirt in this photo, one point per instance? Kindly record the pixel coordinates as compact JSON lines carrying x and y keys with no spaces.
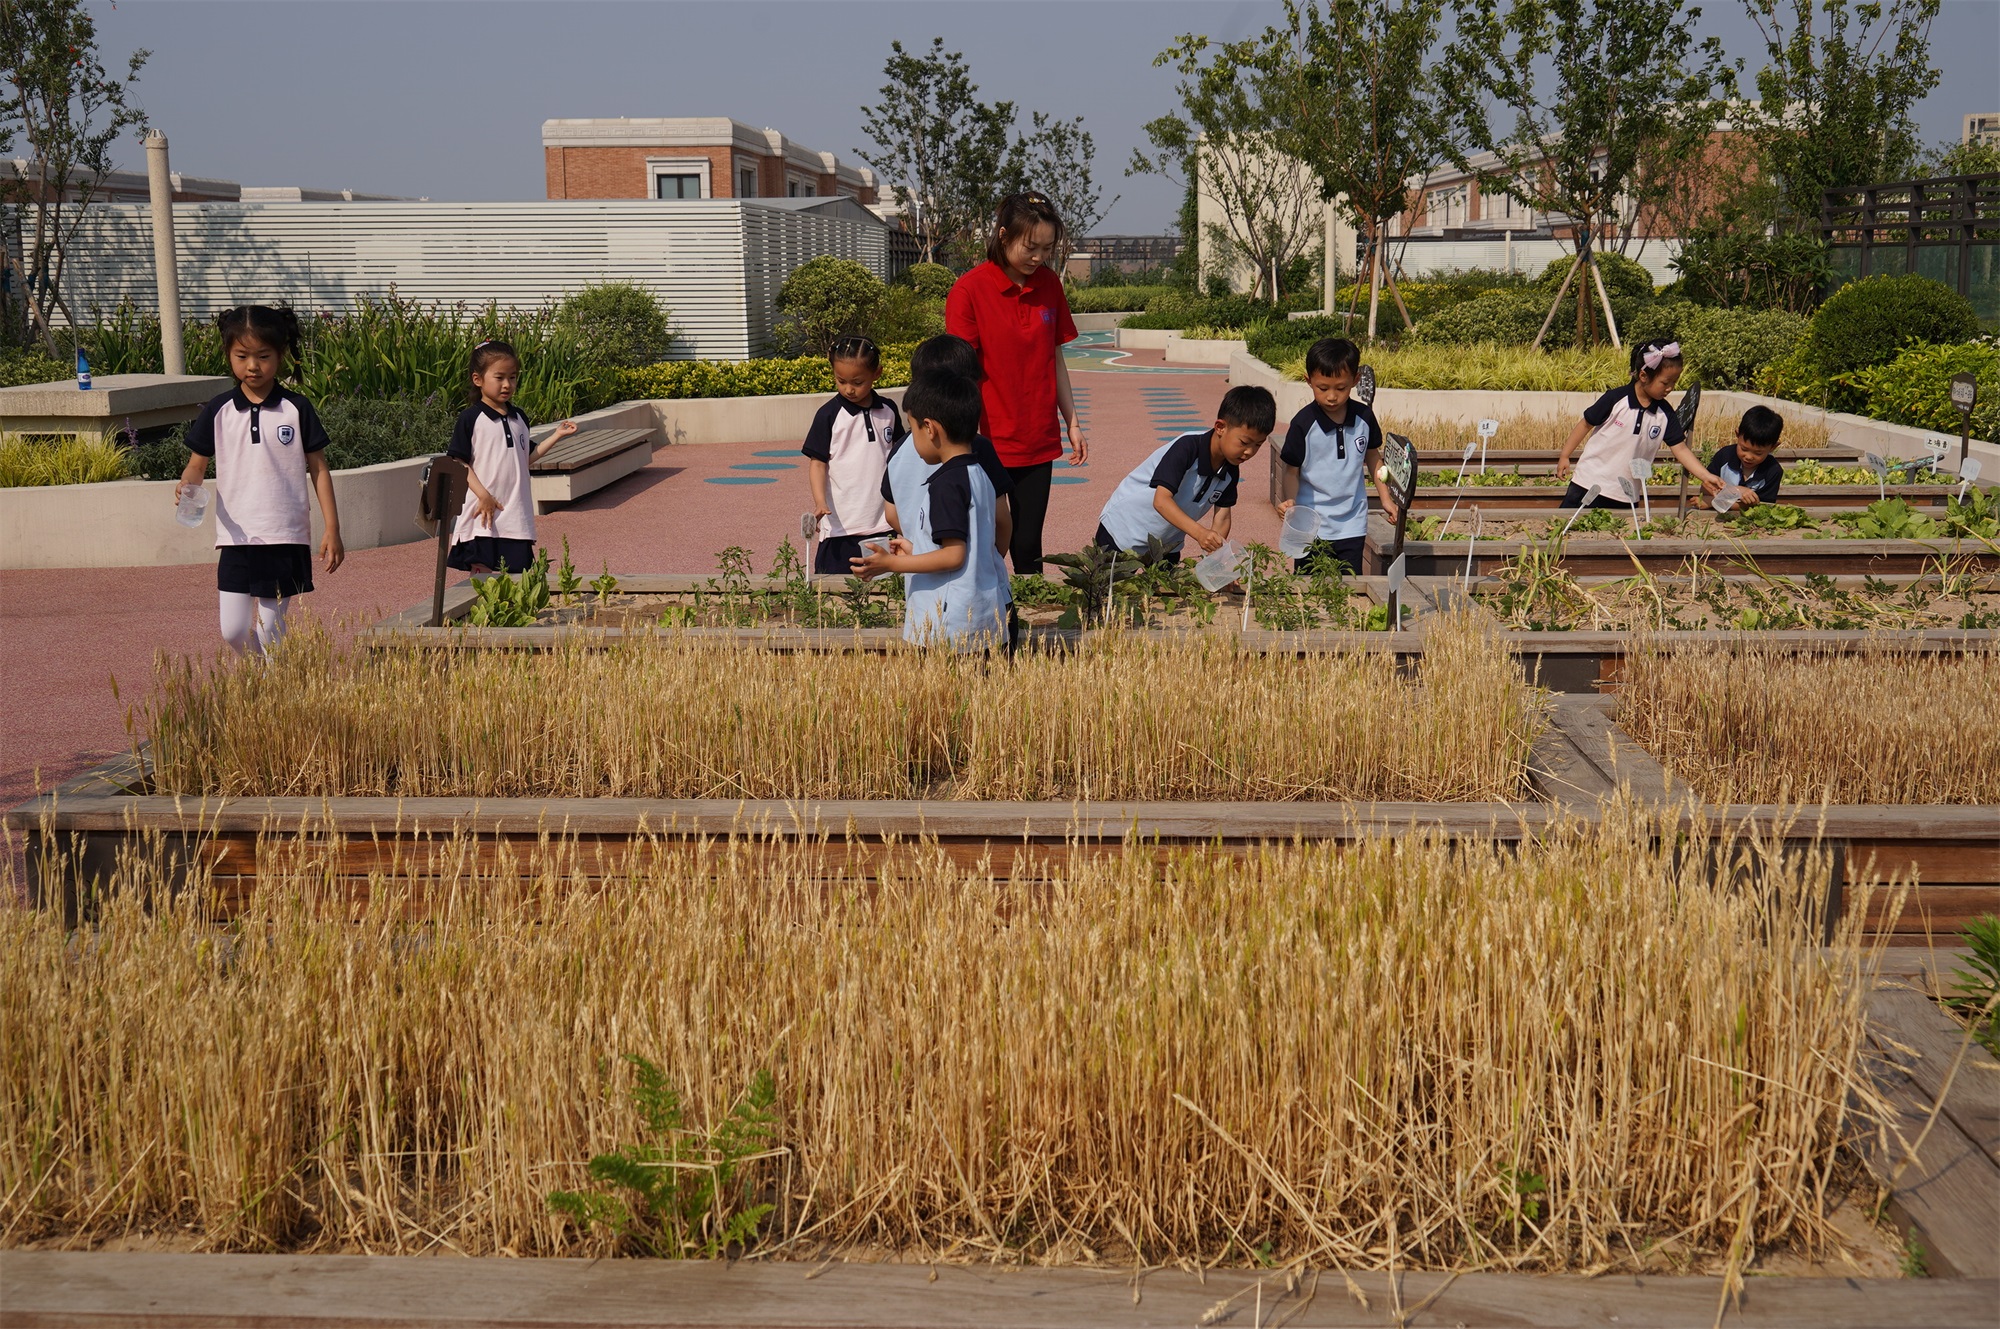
{"x":1332,"y":460}
{"x":1182,"y":466}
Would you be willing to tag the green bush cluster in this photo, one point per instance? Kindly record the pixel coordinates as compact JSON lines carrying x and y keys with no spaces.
{"x":391,"y":346}
{"x":1113,"y":299}
{"x":1176,"y":310}
{"x":1865,"y":324}
{"x":1915,"y":387}
{"x":30,"y":365}
{"x":746,"y":378}
{"x":360,"y":431}
{"x":1723,"y":348}
{"x":825,"y":299}
{"x":1489,"y":367}
{"x":1467,"y":313}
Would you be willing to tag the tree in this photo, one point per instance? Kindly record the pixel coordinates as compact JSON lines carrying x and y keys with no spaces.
{"x":949,"y":156}
{"x":1361,"y":106}
{"x":56,"y":96}
{"x":1836,"y":93}
{"x":1222,"y":143}
{"x":1595,"y":89}
{"x":1057,"y":157}
{"x":1952,"y":157}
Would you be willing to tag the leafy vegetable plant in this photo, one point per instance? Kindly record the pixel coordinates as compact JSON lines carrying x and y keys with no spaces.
{"x":1976,"y":984}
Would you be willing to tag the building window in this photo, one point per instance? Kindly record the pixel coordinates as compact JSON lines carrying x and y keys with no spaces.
{"x":746,"y":182}
{"x":1445,"y":207}
{"x":678,"y":177}
{"x":797,"y":188}
{"x":676,"y":186}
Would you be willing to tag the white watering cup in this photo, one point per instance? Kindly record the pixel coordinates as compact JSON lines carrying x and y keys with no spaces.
{"x":1215,"y":571}
{"x":193,"y":504}
{"x":1726,"y":498}
{"x":1296,"y":535}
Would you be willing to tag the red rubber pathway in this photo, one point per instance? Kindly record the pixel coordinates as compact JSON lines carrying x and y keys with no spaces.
{"x":65,"y":635}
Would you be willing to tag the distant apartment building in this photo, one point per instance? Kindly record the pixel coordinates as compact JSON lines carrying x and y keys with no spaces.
{"x":1982,"y":128}
{"x":691,"y":157}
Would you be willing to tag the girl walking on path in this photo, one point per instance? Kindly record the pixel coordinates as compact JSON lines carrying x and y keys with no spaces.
{"x":270,"y":460}
{"x":496,"y":531}
{"x":1012,"y":310}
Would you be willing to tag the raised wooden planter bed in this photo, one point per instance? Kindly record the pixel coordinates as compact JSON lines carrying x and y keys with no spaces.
{"x":1540,"y":498}
{"x":1581,"y":761}
{"x":1610,"y":558}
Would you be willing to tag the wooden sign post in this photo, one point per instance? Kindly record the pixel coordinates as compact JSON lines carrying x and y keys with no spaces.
{"x":438,"y":504}
{"x":1964,"y":393}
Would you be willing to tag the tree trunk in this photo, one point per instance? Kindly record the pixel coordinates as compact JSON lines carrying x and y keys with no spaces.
{"x":1374,"y":281}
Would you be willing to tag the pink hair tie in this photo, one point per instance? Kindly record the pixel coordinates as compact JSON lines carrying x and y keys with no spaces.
{"x":1659,"y":354}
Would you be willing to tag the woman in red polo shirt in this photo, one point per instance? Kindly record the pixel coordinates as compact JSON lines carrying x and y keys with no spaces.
{"x":1011,"y":308}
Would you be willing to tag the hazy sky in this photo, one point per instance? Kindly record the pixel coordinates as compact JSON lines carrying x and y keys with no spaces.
{"x":445,"y":98}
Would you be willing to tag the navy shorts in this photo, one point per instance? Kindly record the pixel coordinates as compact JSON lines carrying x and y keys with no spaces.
{"x":493,"y":552}
{"x":271,"y":572}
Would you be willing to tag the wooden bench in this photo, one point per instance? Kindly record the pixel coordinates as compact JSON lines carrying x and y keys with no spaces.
{"x":587,"y":461}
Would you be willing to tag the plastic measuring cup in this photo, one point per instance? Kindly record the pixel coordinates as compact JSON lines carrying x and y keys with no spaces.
{"x":1215,"y":571}
{"x":193,"y":505}
{"x":1726,"y":498}
{"x":1296,"y":536}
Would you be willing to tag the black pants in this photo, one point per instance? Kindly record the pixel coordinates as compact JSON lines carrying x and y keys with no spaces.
{"x":1347,"y":553}
{"x":1104,"y":541}
{"x":1031,"y":506}
{"x":1573,"y":498}
{"x":837,"y":552}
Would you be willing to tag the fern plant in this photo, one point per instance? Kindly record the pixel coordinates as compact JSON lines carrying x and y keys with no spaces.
{"x":1976,"y":986}
{"x":680,"y":1192}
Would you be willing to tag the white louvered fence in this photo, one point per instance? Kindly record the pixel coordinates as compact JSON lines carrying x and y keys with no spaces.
{"x":715,"y":263}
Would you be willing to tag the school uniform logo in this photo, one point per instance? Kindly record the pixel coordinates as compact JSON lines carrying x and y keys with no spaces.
{"x":1048,"y":316}
{"x":286,"y":434}
{"x":1654,"y":432}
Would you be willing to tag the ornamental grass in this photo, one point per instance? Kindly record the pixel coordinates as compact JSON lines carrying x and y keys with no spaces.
{"x":1586,"y":1053}
{"x":1759,"y":724}
{"x":671,"y":716}
{"x":1521,"y":431}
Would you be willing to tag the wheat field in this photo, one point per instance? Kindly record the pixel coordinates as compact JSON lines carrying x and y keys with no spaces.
{"x":1761,"y":724}
{"x":1406,"y":1054}
{"x":669,"y":716}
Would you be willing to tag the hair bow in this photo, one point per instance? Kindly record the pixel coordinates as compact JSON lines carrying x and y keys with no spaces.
{"x":1659,"y":354}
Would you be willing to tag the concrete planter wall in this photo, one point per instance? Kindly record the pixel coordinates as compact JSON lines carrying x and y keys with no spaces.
{"x":130,"y":523}
{"x":1178,"y":349}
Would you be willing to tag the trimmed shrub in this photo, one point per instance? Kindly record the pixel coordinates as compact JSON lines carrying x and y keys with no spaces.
{"x":827,"y":298}
{"x":360,"y":431}
{"x":1501,"y":316}
{"x":1623,"y":277}
{"x":906,"y":317}
{"x":1114,"y":299}
{"x":745,"y":378}
{"x":1867,"y":322}
{"x":617,"y":324}
{"x":1915,"y":387}
{"x":1722,"y":265}
{"x":930,"y":280}
{"x":1177,"y":310}
{"x":29,"y":365}
{"x":1725,"y":348}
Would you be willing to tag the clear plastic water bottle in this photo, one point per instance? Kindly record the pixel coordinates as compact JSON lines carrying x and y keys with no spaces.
{"x":193,"y":505}
{"x":1726,"y":498}
{"x":82,"y":370}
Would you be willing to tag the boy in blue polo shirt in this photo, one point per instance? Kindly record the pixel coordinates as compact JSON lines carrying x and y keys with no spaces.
{"x":1332,"y":448}
{"x":954,"y":561}
{"x":1747,"y":464}
{"x":1172,"y":490}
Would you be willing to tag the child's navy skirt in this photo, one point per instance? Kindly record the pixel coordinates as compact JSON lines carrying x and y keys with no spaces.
{"x":492,"y":551}
{"x":271,"y":572}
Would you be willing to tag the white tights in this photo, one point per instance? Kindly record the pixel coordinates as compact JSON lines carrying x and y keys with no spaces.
{"x":247,"y":616}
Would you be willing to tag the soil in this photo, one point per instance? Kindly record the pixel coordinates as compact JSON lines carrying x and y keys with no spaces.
{"x":1698,"y":526}
{"x":1750,"y":604}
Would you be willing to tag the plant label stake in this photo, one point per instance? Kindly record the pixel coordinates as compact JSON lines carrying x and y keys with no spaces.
{"x":1397,"y":572}
{"x":1465,"y":460}
{"x":1881,"y":469}
{"x":1590,"y":496}
{"x":1632,"y":491}
{"x":1472,"y":542}
{"x":1642,"y":473}
{"x":1968,"y":471}
{"x":1487,"y":429}
{"x":809,"y":532}
{"x":1964,"y":394}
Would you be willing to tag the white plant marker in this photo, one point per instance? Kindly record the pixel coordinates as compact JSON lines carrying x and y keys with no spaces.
{"x":1881,"y":468}
{"x":1487,"y":429}
{"x":1633,"y":489}
{"x":1968,"y":472}
{"x":1590,"y":496}
{"x":1465,"y":460}
{"x":1397,"y":571}
{"x":1642,"y":475}
{"x":1472,"y":540}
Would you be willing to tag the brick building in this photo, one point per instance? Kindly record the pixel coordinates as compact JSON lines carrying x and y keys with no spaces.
{"x":691,"y":157}
{"x":132,"y":187}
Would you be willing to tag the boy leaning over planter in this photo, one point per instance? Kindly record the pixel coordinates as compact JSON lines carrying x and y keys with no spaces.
{"x":1747,"y":464}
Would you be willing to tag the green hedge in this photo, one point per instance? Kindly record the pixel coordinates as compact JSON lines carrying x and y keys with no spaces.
{"x":1113,"y":299}
{"x":1724,"y":348}
{"x":28,"y":365}
{"x":1915,"y":387}
{"x":1868,"y":322}
{"x":360,"y":431}
{"x":674,"y":379}
{"x":1179,"y":310}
